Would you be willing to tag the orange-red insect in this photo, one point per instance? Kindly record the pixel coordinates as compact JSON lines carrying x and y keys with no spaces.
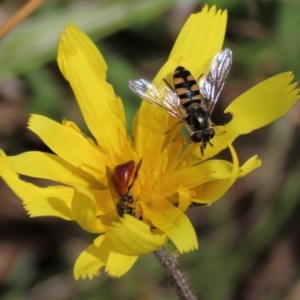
{"x":120,"y":181}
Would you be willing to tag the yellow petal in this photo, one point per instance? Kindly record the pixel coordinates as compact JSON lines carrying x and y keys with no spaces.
{"x":147,"y":145}
{"x":213,"y":190}
{"x":118,"y":264}
{"x":261,"y":105}
{"x":133,"y":237}
{"x":172,"y":222}
{"x":85,"y":69}
{"x":71,"y":146}
{"x":85,"y":210}
{"x":149,"y":132}
{"x":235,"y":163}
{"x":104,"y":201}
{"x":90,"y":261}
{"x":210,"y":191}
{"x":201,"y":38}
{"x":194,"y":176}
{"x":50,"y":201}
{"x":74,"y":41}
{"x":51,"y":167}
{"x":106,"y":209}
{"x":185,"y":198}
{"x":55,"y":202}
{"x":174,"y":150}
{"x":250,"y":165}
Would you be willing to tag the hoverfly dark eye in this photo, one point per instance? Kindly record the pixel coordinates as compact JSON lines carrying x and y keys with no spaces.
{"x":211,"y":132}
{"x":197,"y":136}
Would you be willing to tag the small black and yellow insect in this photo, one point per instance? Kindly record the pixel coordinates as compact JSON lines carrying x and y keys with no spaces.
{"x":191,"y":102}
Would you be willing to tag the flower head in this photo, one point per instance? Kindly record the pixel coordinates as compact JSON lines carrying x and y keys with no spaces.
{"x":160,"y":173}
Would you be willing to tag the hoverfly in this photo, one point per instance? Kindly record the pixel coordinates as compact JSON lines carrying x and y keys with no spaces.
{"x":190,"y":102}
{"x":118,"y":182}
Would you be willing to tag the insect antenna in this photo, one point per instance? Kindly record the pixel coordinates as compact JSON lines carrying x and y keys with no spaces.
{"x":135,"y":175}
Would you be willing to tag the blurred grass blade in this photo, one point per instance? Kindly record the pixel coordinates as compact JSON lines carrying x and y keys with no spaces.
{"x":34,"y":42}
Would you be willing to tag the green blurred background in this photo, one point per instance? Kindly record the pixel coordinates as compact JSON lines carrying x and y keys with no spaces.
{"x":249,"y":240}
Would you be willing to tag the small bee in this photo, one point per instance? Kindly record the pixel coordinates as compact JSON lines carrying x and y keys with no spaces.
{"x":118,"y":182}
{"x":190,"y":102}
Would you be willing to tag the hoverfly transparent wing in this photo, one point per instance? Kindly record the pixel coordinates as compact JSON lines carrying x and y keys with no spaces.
{"x":159,"y":95}
{"x":212,"y":81}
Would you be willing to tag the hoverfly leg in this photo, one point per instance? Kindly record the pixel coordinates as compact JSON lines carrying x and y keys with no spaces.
{"x":203,"y":146}
{"x":217,"y":128}
{"x":202,"y":150}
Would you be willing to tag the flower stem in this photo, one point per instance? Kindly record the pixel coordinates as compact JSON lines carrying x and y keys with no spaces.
{"x":175,"y":275}
{"x":19,"y":16}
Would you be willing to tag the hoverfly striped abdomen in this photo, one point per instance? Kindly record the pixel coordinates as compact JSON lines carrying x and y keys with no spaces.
{"x":186,"y":86}
{"x":192,"y":102}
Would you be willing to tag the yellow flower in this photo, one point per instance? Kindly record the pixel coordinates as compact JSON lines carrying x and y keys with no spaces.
{"x":170,"y":177}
